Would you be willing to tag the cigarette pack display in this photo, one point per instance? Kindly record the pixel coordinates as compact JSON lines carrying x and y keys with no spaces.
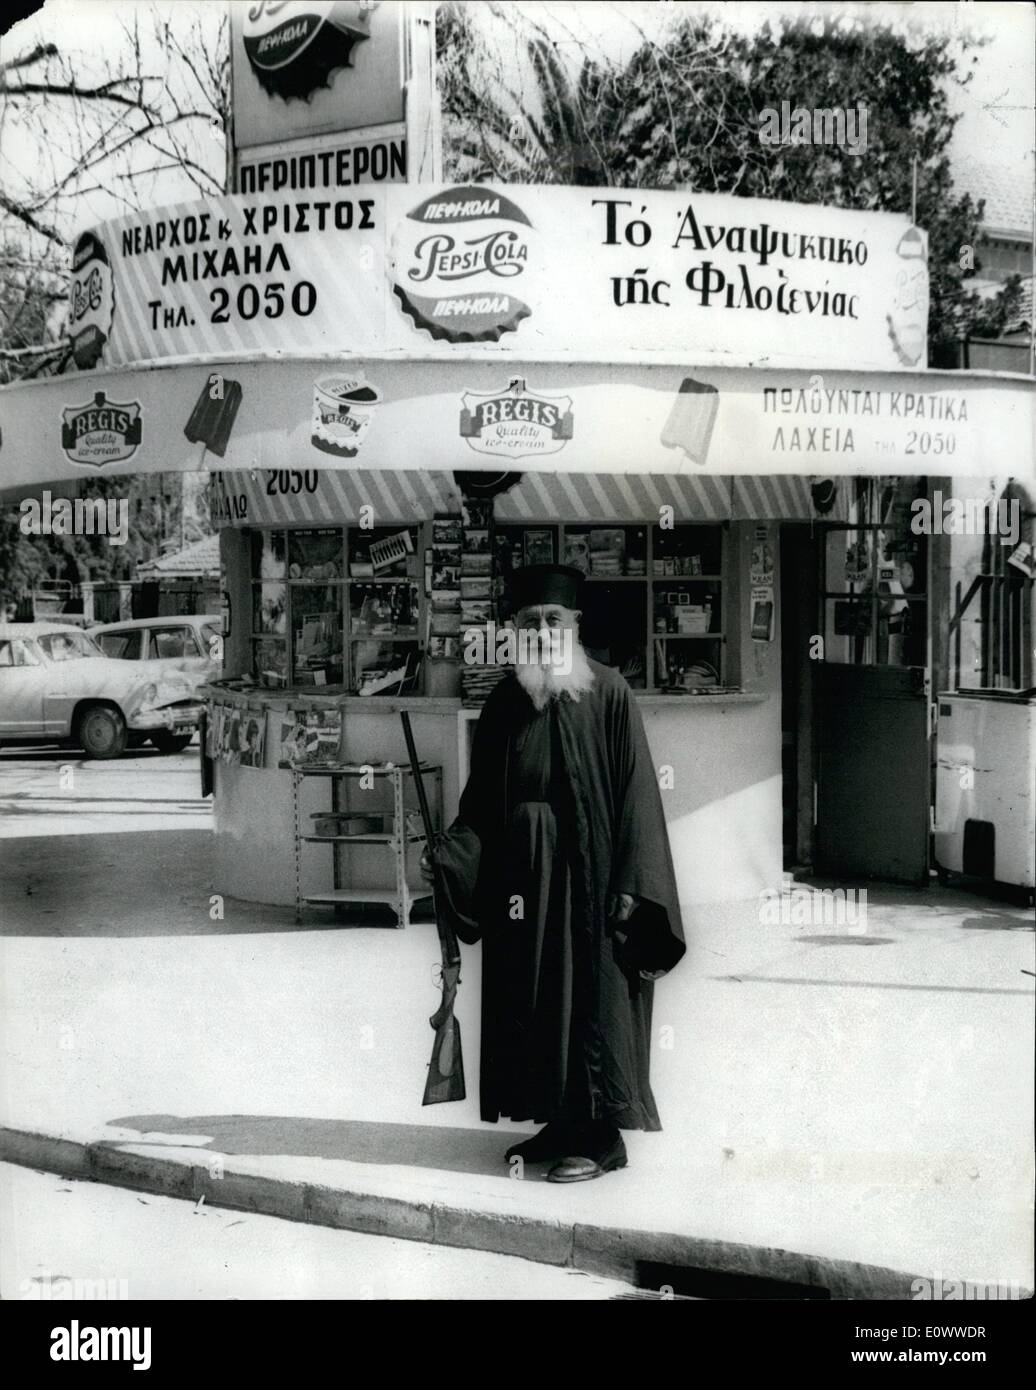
{"x":211,"y":420}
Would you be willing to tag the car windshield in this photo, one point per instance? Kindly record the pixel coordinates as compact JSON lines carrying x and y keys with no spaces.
{"x":68,"y":646}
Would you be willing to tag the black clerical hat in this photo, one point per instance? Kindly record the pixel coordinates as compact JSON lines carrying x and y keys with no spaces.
{"x":536,"y":584}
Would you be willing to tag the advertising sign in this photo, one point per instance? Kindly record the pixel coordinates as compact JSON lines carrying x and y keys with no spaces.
{"x":307,"y":67}
{"x":338,"y":161}
{"x":291,"y":420}
{"x":551,"y":272}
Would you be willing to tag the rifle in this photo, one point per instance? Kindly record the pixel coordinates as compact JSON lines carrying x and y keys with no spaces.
{"x":446,"y":1069}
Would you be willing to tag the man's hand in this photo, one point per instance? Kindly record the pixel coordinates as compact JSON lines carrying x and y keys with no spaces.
{"x":621,"y":907}
{"x":425,"y":866}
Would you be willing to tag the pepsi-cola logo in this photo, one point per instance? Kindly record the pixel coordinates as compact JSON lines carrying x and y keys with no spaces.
{"x":293,"y":46}
{"x":472,"y":235}
{"x":91,"y":301}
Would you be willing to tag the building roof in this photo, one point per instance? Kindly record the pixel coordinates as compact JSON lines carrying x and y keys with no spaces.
{"x":200,"y":558}
{"x":989,"y":289}
{"x":38,"y":629}
{"x":1008,"y":192}
{"x":170,"y":620}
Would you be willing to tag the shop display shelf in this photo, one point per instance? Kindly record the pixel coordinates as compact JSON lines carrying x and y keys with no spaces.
{"x":402,"y":895}
{"x":355,"y":769}
{"x":386,"y":896}
{"x":363,"y":839}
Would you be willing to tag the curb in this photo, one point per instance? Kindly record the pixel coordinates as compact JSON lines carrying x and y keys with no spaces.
{"x":611,"y":1251}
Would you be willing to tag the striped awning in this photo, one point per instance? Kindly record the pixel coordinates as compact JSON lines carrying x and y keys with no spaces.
{"x":410,"y":496}
{"x":638,"y":496}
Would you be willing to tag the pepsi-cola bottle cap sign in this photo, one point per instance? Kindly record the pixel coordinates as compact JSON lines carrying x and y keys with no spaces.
{"x":463,"y":262}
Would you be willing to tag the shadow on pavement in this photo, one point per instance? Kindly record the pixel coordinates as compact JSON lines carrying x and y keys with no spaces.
{"x":997,"y":922}
{"x":144,"y":883}
{"x":354,"y":1141}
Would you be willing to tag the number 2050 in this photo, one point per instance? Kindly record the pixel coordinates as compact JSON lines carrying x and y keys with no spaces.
{"x":248,"y":301}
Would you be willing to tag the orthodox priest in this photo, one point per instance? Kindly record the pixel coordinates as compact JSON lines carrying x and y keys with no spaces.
{"x":576,"y":899}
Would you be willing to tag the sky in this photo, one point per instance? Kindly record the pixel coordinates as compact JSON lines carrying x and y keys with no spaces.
{"x":997,"y":119}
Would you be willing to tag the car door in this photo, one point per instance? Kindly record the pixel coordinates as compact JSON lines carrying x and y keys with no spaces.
{"x":23,"y":680}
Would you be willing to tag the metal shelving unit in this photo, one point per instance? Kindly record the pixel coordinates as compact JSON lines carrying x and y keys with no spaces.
{"x":401,"y":897}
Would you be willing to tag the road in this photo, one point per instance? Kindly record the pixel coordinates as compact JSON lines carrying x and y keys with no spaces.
{"x":56,"y":791}
{"x":66,"y":1239}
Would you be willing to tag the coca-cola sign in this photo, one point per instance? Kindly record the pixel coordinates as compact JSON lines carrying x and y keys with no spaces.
{"x":294,"y":46}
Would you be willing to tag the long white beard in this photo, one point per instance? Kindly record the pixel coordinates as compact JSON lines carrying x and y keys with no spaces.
{"x":545,"y":682}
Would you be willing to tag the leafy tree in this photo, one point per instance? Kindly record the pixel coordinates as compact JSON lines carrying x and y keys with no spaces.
{"x":684,"y":113}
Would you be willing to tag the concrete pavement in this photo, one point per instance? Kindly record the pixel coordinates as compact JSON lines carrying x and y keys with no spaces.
{"x":844,"y":1109}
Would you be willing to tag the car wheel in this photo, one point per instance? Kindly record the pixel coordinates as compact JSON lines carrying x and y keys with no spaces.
{"x":102,"y":732}
{"x":166,"y":742}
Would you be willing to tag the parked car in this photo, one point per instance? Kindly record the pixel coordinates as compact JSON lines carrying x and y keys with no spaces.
{"x":191,"y":644}
{"x":58,"y":686}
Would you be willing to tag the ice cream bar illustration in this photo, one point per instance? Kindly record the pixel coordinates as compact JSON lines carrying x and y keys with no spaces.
{"x":214,"y":414}
{"x":691,"y":419}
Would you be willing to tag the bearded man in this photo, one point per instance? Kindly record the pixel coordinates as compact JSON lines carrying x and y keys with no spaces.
{"x":576,"y":899}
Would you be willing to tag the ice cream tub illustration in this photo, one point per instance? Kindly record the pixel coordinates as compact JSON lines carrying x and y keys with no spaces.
{"x":343,"y":409}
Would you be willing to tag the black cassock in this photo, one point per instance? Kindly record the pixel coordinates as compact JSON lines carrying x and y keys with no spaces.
{"x":567,"y":808}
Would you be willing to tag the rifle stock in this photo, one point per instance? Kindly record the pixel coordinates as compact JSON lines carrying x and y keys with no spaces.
{"x":446,"y":1070}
